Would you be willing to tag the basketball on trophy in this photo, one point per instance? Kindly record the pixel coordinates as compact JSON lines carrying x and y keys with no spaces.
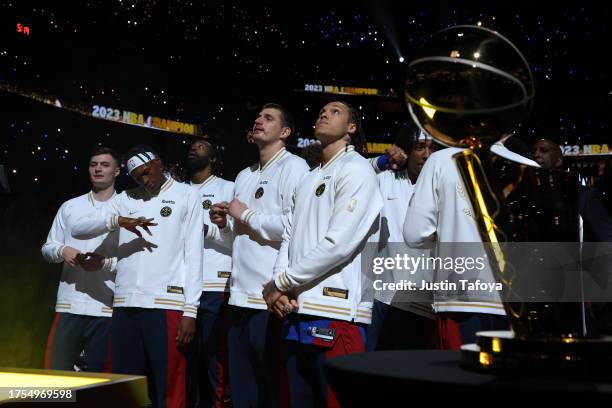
{"x":469,"y":86}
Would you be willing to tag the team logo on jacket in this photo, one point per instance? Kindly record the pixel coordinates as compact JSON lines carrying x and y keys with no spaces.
{"x":320,"y":190}
{"x":166,"y":211}
{"x":206,"y":204}
{"x":259,"y":192}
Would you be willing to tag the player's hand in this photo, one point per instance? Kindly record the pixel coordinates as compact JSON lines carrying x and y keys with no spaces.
{"x":186,"y":331}
{"x":218,"y":214}
{"x":397,"y":157}
{"x":270,"y":294}
{"x":90,"y":261}
{"x":284,"y":305}
{"x":131,"y":224}
{"x":70,"y":255}
{"x":236,"y":208}
{"x":279,"y":303}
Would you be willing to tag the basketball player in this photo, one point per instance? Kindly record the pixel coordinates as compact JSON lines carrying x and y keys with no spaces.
{"x":159,"y":278}
{"x":262,"y":199}
{"x":318,"y":271}
{"x":85,"y":293}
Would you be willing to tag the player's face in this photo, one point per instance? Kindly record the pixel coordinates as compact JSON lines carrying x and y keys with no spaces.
{"x":268,"y":127}
{"x":419,"y":154}
{"x":198,"y":157}
{"x":333,"y":123}
{"x":149,"y":176}
{"x":103,"y":170}
{"x":198,"y":150}
{"x":547,"y":154}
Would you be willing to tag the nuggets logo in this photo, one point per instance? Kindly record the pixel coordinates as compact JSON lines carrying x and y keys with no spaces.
{"x":166,"y":211}
{"x":259,"y":192}
{"x":206,"y":204}
{"x":320,"y":190}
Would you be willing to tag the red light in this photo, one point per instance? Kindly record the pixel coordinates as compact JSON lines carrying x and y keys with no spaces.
{"x":23,"y":29}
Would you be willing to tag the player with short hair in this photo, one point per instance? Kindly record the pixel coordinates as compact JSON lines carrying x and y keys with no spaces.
{"x":262,"y":200}
{"x":318,"y":270}
{"x":86,"y":287}
{"x":216,"y":271}
{"x":159,"y":278}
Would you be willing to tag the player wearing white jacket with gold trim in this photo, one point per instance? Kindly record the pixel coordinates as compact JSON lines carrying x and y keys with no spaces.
{"x":262,"y":200}
{"x":318,"y":271}
{"x":159,"y":278}
{"x":440,"y":212}
{"x":86,"y":287}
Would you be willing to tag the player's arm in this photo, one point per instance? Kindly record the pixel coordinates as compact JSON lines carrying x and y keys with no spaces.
{"x":93,"y":262}
{"x":54,"y":249}
{"x":97,"y":224}
{"x":394,"y":158}
{"x":357,"y":205}
{"x":275,"y":299}
{"x":221,"y":228}
{"x":193,"y":253}
{"x":270,"y":227}
{"x":421,"y":222}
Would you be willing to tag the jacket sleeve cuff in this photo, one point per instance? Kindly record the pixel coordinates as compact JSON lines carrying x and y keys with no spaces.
{"x":374,"y":163}
{"x":247,"y":216}
{"x":112,"y":223}
{"x":110,"y":264}
{"x":190,"y":311}
{"x":60,"y":253}
{"x":283,"y":282}
{"x":212,"y":231}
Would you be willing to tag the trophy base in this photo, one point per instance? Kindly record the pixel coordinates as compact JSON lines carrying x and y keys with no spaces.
{"x":499,"y":352}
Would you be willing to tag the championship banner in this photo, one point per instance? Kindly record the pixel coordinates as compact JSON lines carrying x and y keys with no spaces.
{"x":586,"y":150}
{"x":139,"y":119}
{"x":348,"y":90}
{"x":112,"y":114}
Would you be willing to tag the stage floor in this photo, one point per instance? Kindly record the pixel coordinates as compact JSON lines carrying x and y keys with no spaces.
{"x":19,"y":387}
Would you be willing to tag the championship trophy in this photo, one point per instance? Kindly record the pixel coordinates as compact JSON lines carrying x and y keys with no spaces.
{"x":469,"y":88}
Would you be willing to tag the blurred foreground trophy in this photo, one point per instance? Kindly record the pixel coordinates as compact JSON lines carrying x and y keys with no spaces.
{"x":471,"y":87}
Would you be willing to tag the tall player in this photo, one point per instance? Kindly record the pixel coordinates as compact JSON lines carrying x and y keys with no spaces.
{"x":262,"y":199}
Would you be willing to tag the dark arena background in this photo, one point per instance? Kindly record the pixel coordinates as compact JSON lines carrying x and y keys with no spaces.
{"x":78,"y":74}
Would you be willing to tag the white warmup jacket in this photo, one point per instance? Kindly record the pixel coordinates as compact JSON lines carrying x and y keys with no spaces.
{"x":217,"y":265}
{"x":396,"y":190}
{"x":335,"y":210}
{"x":163,"y":271}
{"x":256,"y":238}
{"x":441,"y":208}
{"x":81,"y":292}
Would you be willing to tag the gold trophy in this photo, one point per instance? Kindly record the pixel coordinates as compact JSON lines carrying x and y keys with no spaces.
{"x":469,"y":88}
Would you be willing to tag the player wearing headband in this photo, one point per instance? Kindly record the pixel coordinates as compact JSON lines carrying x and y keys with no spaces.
{"x":401,"y":320}
{"x":159,"y":278}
